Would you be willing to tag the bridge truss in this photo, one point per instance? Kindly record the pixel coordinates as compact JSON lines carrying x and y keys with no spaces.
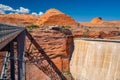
{"x":12,"y":44}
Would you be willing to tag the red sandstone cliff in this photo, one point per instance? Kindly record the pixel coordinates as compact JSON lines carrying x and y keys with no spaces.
{"x":56,"y":44}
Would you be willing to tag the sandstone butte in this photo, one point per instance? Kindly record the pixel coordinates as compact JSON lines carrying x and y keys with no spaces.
{"x":99,"y":22}
{"x":55,"y":17}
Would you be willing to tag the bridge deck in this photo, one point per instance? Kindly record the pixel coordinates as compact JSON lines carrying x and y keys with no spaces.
{"x":8,"y":33}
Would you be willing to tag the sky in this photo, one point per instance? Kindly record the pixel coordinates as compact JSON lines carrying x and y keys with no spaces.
{"x":80,"y":10}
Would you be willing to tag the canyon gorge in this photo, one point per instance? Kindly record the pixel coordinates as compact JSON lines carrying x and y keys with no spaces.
{"x":59,"y":35}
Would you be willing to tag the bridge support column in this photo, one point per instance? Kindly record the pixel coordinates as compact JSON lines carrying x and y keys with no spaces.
{"x":21,"y":51}
{"x":12,"y":62}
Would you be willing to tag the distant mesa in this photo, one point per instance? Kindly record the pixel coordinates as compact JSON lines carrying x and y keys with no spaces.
{"x":55,"y":17}
{"x":97,"y":20}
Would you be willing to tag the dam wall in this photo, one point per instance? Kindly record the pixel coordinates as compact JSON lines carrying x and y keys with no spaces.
{"x":95,"y":60}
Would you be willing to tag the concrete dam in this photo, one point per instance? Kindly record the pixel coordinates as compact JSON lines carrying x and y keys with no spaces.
{"x":95,"y":60}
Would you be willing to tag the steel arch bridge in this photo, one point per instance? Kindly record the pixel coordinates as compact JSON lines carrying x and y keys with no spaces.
{"x":12,"y":49}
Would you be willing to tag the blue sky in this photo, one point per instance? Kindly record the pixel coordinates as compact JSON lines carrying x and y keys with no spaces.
{"x":80,"y":10}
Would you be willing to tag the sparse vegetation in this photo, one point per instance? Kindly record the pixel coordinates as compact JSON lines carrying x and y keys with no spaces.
{"x":65,"y":27}
{"x":68,"y":74}
{"x":32,"y":27}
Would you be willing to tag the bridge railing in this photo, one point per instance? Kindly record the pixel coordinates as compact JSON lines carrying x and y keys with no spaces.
{"x":6,"y":31}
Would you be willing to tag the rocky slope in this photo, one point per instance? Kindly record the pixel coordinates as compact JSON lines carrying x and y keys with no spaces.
{"x":18,"y":19}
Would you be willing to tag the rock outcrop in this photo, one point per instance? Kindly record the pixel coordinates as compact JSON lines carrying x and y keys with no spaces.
{"x":96,"y":20}
{"x":55,"y":17}
{"x":96,"y":32}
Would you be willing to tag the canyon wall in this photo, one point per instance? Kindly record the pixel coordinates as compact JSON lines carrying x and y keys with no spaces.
{"x":56,"y":44}
{"x":92,"y":60}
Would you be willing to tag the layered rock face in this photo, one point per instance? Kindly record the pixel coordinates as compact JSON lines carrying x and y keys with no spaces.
{"x":56,"y":45}
{"x":18,"y":19}
{"x":54,"y":17}
{"x":96,"y":32}
{"x":93,"y":60}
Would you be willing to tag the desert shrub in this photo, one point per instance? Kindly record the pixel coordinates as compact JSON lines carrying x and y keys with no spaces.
{"x":86,"y":33}
{"x":32,"y":27}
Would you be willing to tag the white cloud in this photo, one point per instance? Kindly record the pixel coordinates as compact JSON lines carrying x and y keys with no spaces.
{"x":2,"y":12}
{"x":11,"y":13}
{"x":39,"y":14}
{"x":34,"y":13}
{"x":6,"y":8}
{"x":22,"y":10}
